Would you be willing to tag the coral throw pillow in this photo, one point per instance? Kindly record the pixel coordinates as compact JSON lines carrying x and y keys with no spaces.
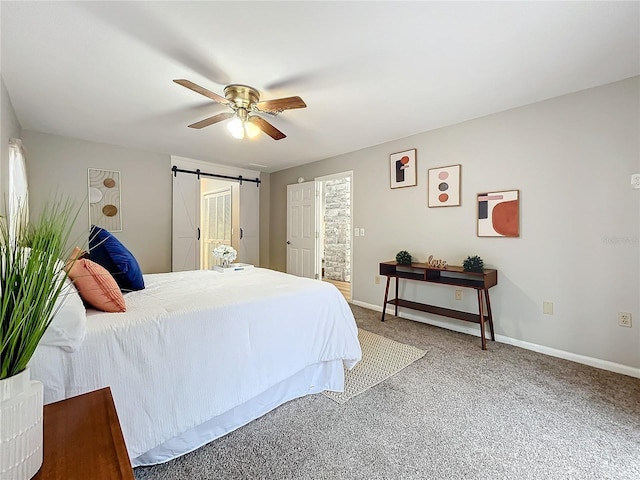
{"x":96,"y":286}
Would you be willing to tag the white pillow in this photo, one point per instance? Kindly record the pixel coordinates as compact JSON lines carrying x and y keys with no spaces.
{"x":69,"y":324}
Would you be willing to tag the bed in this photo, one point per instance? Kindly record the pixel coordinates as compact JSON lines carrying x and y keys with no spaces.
{"x":198,"y":354}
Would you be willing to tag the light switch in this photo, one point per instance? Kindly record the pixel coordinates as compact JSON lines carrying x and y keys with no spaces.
{"x":356,"y":232}
{"x":362,"y":232}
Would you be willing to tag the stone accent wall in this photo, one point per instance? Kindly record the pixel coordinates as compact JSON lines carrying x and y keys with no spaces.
{"x":337,"y":228}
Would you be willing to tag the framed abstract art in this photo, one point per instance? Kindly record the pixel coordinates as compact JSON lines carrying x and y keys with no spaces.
{"x":403,"y":169}
{"x":499,"y":214}
{"x":444,"y":186}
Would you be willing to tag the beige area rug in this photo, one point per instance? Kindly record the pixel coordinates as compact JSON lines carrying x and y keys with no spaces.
{"x":381,"y":359}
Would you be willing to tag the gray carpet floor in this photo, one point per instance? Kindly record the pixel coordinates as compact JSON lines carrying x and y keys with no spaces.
{"x":457,"y":413}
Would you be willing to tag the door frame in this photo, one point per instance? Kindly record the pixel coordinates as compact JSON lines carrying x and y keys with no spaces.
{"x":205,"y":194}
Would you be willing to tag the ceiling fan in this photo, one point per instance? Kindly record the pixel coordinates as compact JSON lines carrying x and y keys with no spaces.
{"x":246,"y":105}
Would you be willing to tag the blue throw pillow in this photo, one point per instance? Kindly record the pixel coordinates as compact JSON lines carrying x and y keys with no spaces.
{"x":106,"y":250}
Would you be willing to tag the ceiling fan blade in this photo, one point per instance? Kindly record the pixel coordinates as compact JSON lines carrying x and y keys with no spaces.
{"x":280,"y":104}
{"x":202,"y":91}
{"x":211,"y":120}
{"x":266,"y":127}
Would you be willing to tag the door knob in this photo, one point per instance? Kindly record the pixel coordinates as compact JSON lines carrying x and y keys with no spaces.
{"x":288,"y":242}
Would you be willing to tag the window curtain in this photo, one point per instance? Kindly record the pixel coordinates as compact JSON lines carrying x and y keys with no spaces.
{"x":18,"y":214}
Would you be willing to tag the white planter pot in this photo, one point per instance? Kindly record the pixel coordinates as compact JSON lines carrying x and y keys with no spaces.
{"x":20,"y":426}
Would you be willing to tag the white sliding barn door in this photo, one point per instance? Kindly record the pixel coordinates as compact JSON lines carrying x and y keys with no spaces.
{"x":301,"y":229}
{"x":188,"y":191}
{"x":249,"y":251}
{"x":185,"y":250}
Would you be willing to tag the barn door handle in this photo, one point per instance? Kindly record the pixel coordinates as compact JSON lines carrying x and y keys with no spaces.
{"x":198,"y":229}
{"x":241,"y":234}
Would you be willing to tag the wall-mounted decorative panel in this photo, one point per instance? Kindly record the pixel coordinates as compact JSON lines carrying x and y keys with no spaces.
{"x":104,"y":199}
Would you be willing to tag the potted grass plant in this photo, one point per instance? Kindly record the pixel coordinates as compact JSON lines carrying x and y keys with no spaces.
{"x":32,"y":277}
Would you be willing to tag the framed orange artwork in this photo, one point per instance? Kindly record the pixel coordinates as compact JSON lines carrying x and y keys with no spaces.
{"x":499,"y":214}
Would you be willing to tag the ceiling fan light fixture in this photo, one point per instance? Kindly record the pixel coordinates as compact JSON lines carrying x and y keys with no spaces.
{"x":251,"y":130}
{"x":236,"y":127}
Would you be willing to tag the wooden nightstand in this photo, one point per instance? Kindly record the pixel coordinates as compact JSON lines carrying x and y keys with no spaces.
{"x":83,"y":440}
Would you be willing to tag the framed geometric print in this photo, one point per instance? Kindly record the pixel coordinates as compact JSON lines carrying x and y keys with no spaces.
{"x":444,"y":186}
{"x":499,"y":214}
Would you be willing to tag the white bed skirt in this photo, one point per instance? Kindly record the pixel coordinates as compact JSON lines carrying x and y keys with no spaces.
{"x":313,"y":379}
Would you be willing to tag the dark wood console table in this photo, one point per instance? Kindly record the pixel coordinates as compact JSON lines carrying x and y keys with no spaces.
{"x":83,"y":440}
{"x":452,"y":275}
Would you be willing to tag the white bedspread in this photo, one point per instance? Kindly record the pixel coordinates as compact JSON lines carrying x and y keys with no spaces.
{"x":193,"y":345}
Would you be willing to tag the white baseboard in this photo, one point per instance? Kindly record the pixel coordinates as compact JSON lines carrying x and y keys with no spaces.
{"x":592,"y":362}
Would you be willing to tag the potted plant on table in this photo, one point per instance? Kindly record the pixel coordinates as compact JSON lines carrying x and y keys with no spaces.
{"x":32,"y":277}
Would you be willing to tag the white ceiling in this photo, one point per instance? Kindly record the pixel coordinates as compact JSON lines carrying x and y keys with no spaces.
{"x":369,"y":72}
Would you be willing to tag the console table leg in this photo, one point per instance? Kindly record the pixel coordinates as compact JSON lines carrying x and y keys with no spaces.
{"x":489,"y":315}
{"x":481,"y":310}
{"x":386,"y":296}
{"x":396,"y":314}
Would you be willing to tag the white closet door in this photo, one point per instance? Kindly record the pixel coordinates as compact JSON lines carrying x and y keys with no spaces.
{"x":249,"y":251}
{"x":186,"y":206}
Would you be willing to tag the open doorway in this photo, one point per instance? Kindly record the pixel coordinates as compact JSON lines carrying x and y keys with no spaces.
{"x":219,"y":218}
{"x":335,"y":244}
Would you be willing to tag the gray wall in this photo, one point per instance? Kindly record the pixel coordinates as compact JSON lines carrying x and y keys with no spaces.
{"x":571,"y":157}
{"x":58,"y":165}
{"x":9,"y":128}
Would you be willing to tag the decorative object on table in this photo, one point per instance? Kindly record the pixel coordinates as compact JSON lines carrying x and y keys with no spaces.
{"x":444,"y":186}
{"x":403,"y":169}
{"x":104,"y":199}
{"x":403,"y":257}
{"x":436,"y":262}
{"x":233,"y":267}
{"x":33,"y":277}
{"x":499,"y":214}
{"x":473,"y":264}
{"x":226,"y":254}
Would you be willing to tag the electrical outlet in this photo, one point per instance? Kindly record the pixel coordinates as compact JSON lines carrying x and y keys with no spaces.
{"x":635,"y":180}
{"x":377,"y":280}
{"x":458,"y":294}
{"x":547,"y":308}
{"x":624,"y":319}
{"x":362,"y":232}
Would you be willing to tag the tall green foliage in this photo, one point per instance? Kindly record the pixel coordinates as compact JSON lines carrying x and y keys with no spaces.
{"x":32,"y":277}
